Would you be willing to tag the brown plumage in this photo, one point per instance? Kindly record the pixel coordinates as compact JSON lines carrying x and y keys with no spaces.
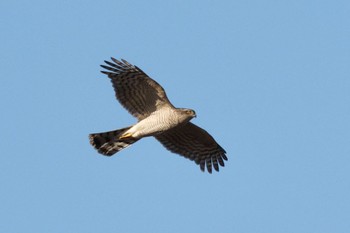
{"x":145,"y":99}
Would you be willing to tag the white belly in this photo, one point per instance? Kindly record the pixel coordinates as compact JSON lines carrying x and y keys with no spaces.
{"x":153,"y":125}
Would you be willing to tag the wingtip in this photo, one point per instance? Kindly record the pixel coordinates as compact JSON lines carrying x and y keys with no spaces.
{"x":105,"y":72}
{"x":202,"y":165}
{"x":115,"y":60}
{"x":216,"y":166}
{"x":126,"y":62}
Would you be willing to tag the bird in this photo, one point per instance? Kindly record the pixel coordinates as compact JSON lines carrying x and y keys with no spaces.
{"x":146,"y":100}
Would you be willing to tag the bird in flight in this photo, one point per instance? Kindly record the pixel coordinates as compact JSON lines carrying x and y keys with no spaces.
{"x":146,"y":100}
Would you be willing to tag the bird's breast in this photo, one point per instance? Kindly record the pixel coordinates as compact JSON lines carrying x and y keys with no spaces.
{"x":156,"y":123}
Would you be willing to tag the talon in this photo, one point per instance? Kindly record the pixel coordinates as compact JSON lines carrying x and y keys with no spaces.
{"x":125,"y":136}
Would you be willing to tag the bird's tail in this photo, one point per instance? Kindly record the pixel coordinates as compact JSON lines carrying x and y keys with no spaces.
{"x":109,"y":143}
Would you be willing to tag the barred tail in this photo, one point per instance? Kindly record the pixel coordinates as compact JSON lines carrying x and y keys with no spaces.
{"x":109,"y":143}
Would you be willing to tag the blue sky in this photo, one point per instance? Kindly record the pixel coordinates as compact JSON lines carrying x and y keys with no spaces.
{"x":269,"y":80}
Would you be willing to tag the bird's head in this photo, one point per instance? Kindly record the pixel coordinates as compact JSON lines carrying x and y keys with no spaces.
{"x":186,"y":114}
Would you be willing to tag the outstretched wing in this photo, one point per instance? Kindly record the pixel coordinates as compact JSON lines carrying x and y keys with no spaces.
{"x":195,"y":144}
{"x":137,"y":92}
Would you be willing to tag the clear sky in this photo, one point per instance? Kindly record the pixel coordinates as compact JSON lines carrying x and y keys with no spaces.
{"x":270,"y":80}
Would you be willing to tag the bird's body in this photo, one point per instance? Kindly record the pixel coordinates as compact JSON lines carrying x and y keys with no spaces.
{"x":157,"y":123}
{"x":146,"y":100}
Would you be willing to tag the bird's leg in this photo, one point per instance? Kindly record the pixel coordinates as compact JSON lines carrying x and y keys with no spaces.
{"x":126,"y":136}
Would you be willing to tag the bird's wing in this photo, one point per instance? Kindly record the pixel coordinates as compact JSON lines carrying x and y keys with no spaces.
{"x":195,"y":144}
{"x":137,"y":92}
